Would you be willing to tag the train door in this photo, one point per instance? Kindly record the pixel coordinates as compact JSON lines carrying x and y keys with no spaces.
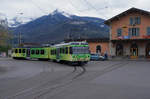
{"x":28,"y":52}
{"x":148,"y":51}
{"x":58,"y":54}
{"x":134,"y":51}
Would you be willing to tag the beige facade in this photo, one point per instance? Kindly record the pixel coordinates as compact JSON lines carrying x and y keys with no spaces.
{"x":130,"y":34}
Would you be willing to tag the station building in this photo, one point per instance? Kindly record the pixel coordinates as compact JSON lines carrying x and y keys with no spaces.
{"x":130,"y":34}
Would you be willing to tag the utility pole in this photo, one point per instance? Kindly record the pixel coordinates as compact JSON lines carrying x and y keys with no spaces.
{"x":19,"y":39}
{"x":19,"y":36}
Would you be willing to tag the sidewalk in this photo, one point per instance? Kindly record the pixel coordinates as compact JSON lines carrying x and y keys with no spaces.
{"x":128,"y":59}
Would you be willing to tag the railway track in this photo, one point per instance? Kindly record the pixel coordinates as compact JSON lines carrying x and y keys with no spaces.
{"x":102,"y":72}
{"x":106,"y":70}
{"x":37,"y":91}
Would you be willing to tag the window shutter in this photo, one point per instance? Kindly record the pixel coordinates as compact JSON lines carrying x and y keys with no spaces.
{"x":129,"y":32}
{"x":148,"y":31}
{"x":131,"y":21}
{"x":139,"y":20}
{"x":137,"y":31}
{"x":119,"y":32}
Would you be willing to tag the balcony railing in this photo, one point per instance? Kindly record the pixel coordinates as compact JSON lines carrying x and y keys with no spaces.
{"x":132,"y":37}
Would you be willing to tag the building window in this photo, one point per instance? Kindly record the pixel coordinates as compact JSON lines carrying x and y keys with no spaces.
{"x":131,"y":21}
{"x":148,"y":31}
{"x":134,"y":31}
{"x":119,"y":32}
{"x":135,"y":20}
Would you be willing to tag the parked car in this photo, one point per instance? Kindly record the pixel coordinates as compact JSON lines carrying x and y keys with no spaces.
{"x":96,"y":57}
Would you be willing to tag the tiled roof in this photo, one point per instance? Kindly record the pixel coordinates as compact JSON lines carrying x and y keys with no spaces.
{"x":125,"y":13}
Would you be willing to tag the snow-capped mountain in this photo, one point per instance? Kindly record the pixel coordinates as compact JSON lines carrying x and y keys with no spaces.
{"x":61,"y":12}
{"x":59,"y":25}
{"x":17,"y":21}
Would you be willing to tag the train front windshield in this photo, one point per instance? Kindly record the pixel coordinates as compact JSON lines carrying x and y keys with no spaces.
{"x":80,"y":50}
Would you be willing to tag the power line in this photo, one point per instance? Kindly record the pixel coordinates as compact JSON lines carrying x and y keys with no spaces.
{"x":97,"y":10}
{"x":89,"y":5}
{"x":43,"y":11}
{"x":77,"y":7}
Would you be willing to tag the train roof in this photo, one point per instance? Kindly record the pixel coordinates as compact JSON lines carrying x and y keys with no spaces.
{"x":57,"y":45}
{"x":34,"y":47}
{"x":72,"y":43}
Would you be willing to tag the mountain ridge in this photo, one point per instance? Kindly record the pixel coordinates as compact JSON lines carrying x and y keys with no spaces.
{"x":56,"y":26}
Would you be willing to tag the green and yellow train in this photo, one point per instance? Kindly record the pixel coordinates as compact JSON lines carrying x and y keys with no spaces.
{"x":72,"y":53}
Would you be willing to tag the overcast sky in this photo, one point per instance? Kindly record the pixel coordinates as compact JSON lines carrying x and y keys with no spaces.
{"x":97,"y":8}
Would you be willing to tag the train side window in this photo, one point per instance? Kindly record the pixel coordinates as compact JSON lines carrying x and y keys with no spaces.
{"x":60,"y":50}
{"x":33,"y":52}
{"x":70,"y":49}
{"x":23,"y":51}
{"x":63,"y":50}
{"x":42,"y":52}
{"x":16,"y":50}
{"x":19,"y":50}
{"x":51,"y":52}
{"x":37,"y":52}
{"x":55,"y":52}
{"x":66,"y":50}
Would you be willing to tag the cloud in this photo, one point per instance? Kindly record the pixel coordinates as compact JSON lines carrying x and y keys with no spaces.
{"x":97,"y":8}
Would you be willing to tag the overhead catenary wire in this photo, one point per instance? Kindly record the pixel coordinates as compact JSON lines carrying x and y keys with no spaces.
{"x":96,"y":9}
{"x":73,"y":5}
{"x":90,"y":7}
{"x":37,"y":6}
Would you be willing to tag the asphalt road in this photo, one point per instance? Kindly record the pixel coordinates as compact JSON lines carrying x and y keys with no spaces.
{"x":26,"y":79}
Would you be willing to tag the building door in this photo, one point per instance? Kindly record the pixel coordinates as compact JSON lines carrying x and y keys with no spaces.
{"x":98,"y":49}
{"x":134,"y":51}
{"x":148,"y":51}
{"x":119,"y":50}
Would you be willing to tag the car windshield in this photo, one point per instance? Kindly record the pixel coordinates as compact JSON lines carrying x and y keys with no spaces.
{"x":80,"y":50}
